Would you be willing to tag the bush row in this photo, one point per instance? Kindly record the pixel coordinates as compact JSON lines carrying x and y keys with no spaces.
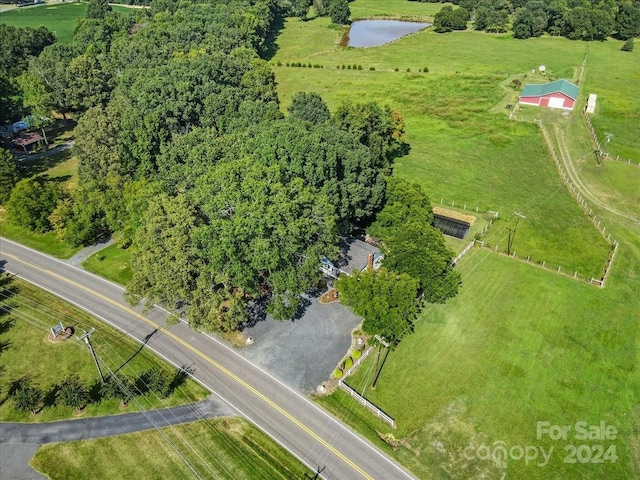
{"x":347,"y":364}
{"x":341,"y":67}
{"x":73,"y":392}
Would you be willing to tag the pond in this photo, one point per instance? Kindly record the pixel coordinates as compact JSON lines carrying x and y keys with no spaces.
{"x":373,"y":33}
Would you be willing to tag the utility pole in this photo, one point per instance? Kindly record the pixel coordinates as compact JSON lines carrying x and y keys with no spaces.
{"x":382,"y":342}
{"x":86,"y":337}
{"x":316,"y":476}
{"x":512,"y":235}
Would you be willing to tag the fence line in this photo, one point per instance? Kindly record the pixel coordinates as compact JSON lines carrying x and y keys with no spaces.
{"x":359,"y":397}
{"x":596,"y":143}
{"x":463,"y":252}
{"x":357,"y":362}
{"x":367,"y":403}
{"x":582,"y":202}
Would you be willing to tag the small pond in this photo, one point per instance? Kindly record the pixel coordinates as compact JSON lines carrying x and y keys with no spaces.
{"x":373,"y":33}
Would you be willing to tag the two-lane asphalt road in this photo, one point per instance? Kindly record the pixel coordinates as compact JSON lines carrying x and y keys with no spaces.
{"x":308,"y":432}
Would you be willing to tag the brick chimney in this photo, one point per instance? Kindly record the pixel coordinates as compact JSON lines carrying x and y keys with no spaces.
{"x":370,"y":262}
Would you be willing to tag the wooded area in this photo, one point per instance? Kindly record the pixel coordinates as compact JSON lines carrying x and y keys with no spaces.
{"x":186,"y":159}
{"x":574,"y":19}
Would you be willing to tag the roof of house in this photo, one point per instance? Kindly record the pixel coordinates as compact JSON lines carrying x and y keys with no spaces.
{"x":563,"y":86}
{"x":27,"y":139}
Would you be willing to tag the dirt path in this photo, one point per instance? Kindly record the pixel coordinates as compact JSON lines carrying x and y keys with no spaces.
{"x":584,"y":190}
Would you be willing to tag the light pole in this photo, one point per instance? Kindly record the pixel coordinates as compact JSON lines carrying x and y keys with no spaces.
{"x":512,"y":234}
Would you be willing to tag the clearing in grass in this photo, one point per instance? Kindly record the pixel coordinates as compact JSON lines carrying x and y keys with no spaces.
{"x":225,"y":448}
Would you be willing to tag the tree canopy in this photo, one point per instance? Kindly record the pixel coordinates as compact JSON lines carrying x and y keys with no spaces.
{"x":386,"y":300}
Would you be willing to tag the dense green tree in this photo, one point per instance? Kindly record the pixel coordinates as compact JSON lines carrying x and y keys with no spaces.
{"x":157,"y":381}
{"x":448,"y":19}
{"x":330,"y":161}
{"x":10,"y":103}
{"x":582,"y":23}
{"x":98,"y":9}
{"x":380,"y":129}
{"x":387,"y":301}
{"x":300,"y":8}
{"x":338,"y":10}
{"x":530,"y":22}
{"x":89,"y":84}
{"x":410,"y":243}
{"x":73,"y":392}
{"x":628,"y":21}
{"x":31,"y":202}
{"x":310,"y":107}
{"x":80,"y":218}
{"x":19,"y":44}
{"x":28,"y":399}
{"x":263,"y":231}
{"x":9,"y":174}
{"x":50,"y":72}
{"x":166,"y":260}
{"x":443,"y":20}
{"x":628,"y":45}
{"x":96,"y":144}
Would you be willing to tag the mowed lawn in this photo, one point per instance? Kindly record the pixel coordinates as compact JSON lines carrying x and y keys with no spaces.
{"x":225,"y":448}
{"x":27,"y":352}
{"x":59,"y":18}
{"x":459,"y":151}
{"x":497,"y":359}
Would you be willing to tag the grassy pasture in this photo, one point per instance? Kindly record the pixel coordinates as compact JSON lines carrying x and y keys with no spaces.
{"x":25,"y":331}
{"x":507,"y":364}
{"x":59,"y":18}
{"x":459,"y":151}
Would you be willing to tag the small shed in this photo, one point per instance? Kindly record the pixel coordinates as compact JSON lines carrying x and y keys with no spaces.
{"x":591,"y":103}
{"x":27,"y":141}
{"x":559,"y":94}
{"x":452,"y":223}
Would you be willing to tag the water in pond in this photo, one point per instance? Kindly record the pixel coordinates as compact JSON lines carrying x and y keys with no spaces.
{"x":372,"y":33}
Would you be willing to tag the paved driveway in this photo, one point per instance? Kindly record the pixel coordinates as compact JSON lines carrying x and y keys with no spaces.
{"x":303,"y":353}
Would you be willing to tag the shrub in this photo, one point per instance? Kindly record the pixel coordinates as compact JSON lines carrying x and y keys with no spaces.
{"x":408,"y":70}
{"x":628,"y":46}
{"x":359,"y":67}
{"x":425,"y":69}
{"x":356,"y":354}
{"x":27,"y":399}
{"x":279,"y":63}
{"x":343,"y":66}
{"x":348,"y":67}
{"x":397,"y":69}
{"x":348,"y":363}
{"x":74,"y":393}
{"x":372,"y":68}
{"x":337,"y":373}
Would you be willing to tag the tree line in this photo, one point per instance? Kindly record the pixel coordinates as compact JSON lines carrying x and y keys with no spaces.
{"x":187,"y":160}
{"x":574,"y":19}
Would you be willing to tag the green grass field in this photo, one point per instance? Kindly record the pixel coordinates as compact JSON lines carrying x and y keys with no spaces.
{"x":112,"y":263}
{"x":225,"y":448}
{"x":519,"y":344}
{"x":59,"y":18}
{"x":459,"y":151}
{"x":24,"y":331}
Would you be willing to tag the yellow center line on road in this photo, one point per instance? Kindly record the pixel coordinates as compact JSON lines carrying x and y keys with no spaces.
{"x":207,"y":359}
